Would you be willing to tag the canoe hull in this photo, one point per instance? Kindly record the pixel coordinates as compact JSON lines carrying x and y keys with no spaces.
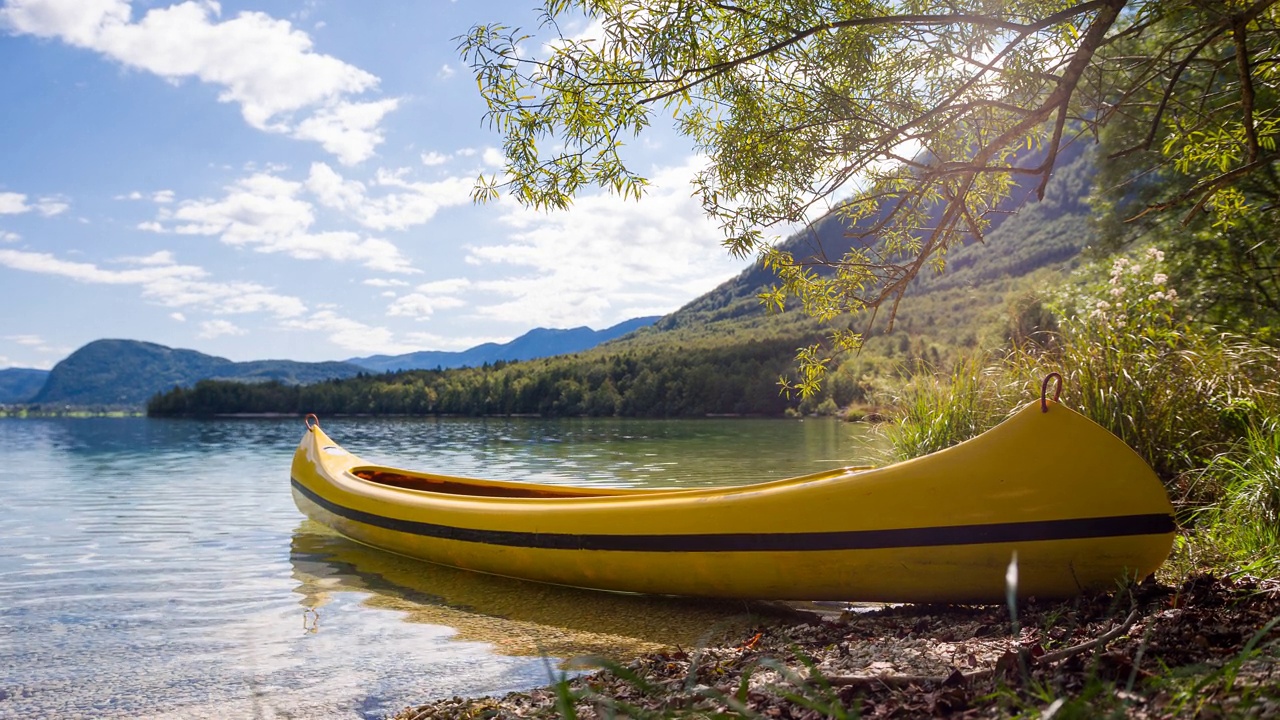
{"x":944,"y":528}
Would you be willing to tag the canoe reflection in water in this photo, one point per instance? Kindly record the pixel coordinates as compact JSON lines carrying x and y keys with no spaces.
{"x":517,"y":617}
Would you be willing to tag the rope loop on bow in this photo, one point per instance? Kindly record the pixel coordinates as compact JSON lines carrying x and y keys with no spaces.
{"x":1044,"y":390}
{"x":312,"y":421}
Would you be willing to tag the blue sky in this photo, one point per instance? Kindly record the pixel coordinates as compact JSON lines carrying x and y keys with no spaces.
{"x":278,"y":179}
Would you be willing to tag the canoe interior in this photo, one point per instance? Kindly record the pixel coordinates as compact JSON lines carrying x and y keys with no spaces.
{"x":455,"y":486}
{"x":470,"y":487}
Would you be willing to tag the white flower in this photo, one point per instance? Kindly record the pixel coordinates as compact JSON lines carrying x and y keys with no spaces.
{"x":1171,"y":294}
{"x":1103,"y":305}
{"x":1159,"y":278}
{"x":1117,"y":291}
{"x":1155,"y":254}
{"x":1135,"y":268}
{"x":1156,"y":296}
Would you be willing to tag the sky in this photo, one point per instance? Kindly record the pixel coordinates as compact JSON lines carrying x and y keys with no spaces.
{"x":273,"y":179}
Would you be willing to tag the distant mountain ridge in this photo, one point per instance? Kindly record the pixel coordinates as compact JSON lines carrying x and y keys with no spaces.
{"x":128,"y":372}
{"x":18,"y":385}
{"x":537,"y":343}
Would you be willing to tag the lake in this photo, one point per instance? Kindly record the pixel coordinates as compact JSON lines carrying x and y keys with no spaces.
{"x":158,"y":568}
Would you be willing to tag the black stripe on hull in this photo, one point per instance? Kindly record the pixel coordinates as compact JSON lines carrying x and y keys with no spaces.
{"x":1071,"y":529}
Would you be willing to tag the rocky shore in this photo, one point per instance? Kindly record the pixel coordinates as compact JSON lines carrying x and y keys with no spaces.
{"x":1208,"y":648}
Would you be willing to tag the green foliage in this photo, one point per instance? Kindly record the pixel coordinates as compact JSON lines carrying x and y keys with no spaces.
{"x":1140,"y":367}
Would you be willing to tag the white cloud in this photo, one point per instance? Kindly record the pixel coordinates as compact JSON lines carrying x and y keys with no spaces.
{"x":6,"y":236}
{"x":265,"y":212}
{"x":332,"y":190}
{"x":170,"y":285}
{"x":608,"y":259}
{"x":493,"y":158}
{"x":384,"y":282}
{"x":429,"y":298}
{"x":265,"y":65}
{"x":210,"y":329}
{"x":162,"y":257}
{"x":426,"y":340}
{"x":160,"y":196}
{"x":87,"y":272}
{"x":30,"y":344}
{"x":178,"y":316}
{"x":50,"y":206}
{"x":33,"y":343}
{"x":348,"y":130}
{"x":408,"y":204}
{"x":26,"y":340}
{"x":421,"y":307}
{"x":447,"y":286}
{"x":350,"y":334}
{"x":12,"y":203}
{"x":431,"y":159}
{"x":445,"y":72}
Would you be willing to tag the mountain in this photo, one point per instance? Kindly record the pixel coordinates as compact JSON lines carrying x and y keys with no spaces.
{"x":537,"y":343}
{"x":1025,"y":235}
{"x":18,"y":385}
{"x":128,"y":372}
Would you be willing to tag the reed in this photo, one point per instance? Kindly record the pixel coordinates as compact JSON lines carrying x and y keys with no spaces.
{"x":1243,"y":526}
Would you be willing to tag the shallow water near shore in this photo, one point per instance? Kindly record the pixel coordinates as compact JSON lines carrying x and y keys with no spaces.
{"x":158,"y":568}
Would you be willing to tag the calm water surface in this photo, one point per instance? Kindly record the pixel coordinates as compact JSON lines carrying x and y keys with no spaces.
{"x":153,"y":568}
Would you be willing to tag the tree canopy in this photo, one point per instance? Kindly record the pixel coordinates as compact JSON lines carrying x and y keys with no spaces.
{"x":913,"y":121}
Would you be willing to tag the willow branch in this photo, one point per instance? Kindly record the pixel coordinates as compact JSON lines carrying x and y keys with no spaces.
{"x":703,"y":74}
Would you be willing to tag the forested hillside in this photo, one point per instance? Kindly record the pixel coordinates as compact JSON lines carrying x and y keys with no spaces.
{"x":18,"y":385}
{"x":125,"y":373}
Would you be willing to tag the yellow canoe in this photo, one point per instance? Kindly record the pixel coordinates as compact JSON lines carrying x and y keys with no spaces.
{"x":1078,"y":508}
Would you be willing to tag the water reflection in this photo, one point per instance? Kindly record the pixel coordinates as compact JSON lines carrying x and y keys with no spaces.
{"x":518,"y":618}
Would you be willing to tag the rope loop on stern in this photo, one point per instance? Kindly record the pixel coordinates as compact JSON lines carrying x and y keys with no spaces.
{"x":1044,"y":390}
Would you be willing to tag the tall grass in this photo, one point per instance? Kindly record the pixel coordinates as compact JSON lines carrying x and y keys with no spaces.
{"x":936,"y":410}
{"x":1245,"y":523}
